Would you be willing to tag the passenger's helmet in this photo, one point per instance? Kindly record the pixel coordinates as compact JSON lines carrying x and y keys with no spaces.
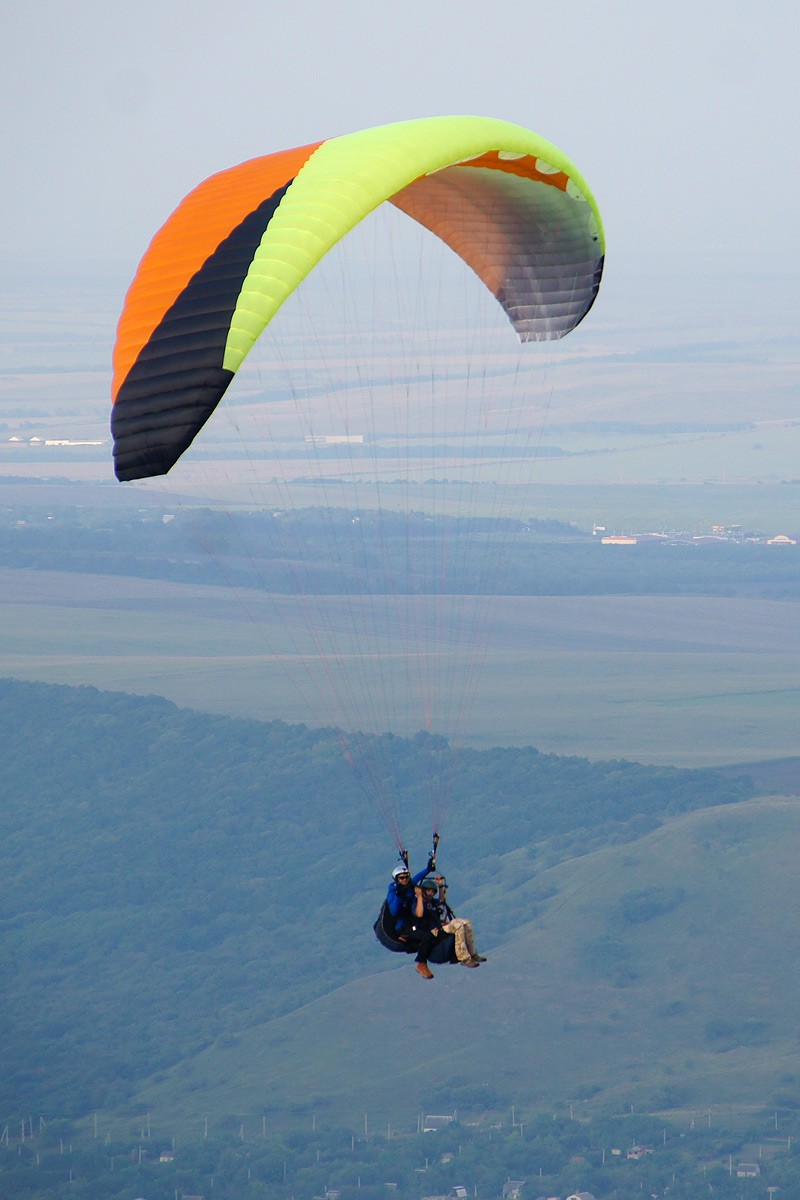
{"x":429,"y":884}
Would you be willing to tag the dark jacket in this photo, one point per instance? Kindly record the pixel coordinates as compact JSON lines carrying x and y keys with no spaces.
{"x":400,"y":900}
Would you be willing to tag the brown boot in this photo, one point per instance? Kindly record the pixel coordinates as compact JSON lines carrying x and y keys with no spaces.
{"x":424,"y":970}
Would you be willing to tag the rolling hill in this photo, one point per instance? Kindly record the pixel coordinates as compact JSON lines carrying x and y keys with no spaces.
{"x":660,"y":973}
{"x":176,"y":884}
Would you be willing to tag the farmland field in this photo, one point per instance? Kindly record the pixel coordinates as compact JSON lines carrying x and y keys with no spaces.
{"x":683,"y":680}
{"x":644,"y":420}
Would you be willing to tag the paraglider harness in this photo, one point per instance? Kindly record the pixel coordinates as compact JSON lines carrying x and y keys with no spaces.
{"x":444,"y":950}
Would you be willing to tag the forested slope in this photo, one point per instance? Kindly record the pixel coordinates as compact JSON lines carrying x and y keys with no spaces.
{"x":658,"y":974}
{"x":172,"y":878}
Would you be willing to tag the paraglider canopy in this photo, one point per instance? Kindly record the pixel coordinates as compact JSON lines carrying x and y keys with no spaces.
{"x":379,"y":584}
{"x":509,"y":203}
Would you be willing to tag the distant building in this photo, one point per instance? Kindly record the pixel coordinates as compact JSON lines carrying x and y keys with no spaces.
{"x":781,"y":539}
{"x":459,"y":1192}
{"x":513,"y":1188}
{"x":68,"y":442}
{"x":436,"y":1121}
{"x":637,"y":1152}
{"x":618,"y":540}
{"x":335,"y":439}
{"x":747,"y":1170}
{"x":581,"y":1196}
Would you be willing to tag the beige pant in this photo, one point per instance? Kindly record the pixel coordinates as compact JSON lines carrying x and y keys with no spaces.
{"x":465,"y":938}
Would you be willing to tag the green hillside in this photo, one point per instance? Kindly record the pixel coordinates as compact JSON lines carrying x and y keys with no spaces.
{"x":659,"y":974}
{"x":175,"y":881}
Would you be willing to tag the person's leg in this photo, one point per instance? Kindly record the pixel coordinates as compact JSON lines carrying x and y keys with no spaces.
{"x":470,"y":936}
{"x":456,"y":927}
{"x":421,"y":940}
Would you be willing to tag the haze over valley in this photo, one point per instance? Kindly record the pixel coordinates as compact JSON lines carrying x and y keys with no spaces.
{"x":415,"y":577}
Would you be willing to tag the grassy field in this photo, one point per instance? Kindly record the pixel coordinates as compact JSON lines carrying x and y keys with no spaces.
{"x":681,"y":985}
{"x":682,"y":680}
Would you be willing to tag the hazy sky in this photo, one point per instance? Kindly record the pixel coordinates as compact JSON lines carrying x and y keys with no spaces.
{"x":681,"y":115}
